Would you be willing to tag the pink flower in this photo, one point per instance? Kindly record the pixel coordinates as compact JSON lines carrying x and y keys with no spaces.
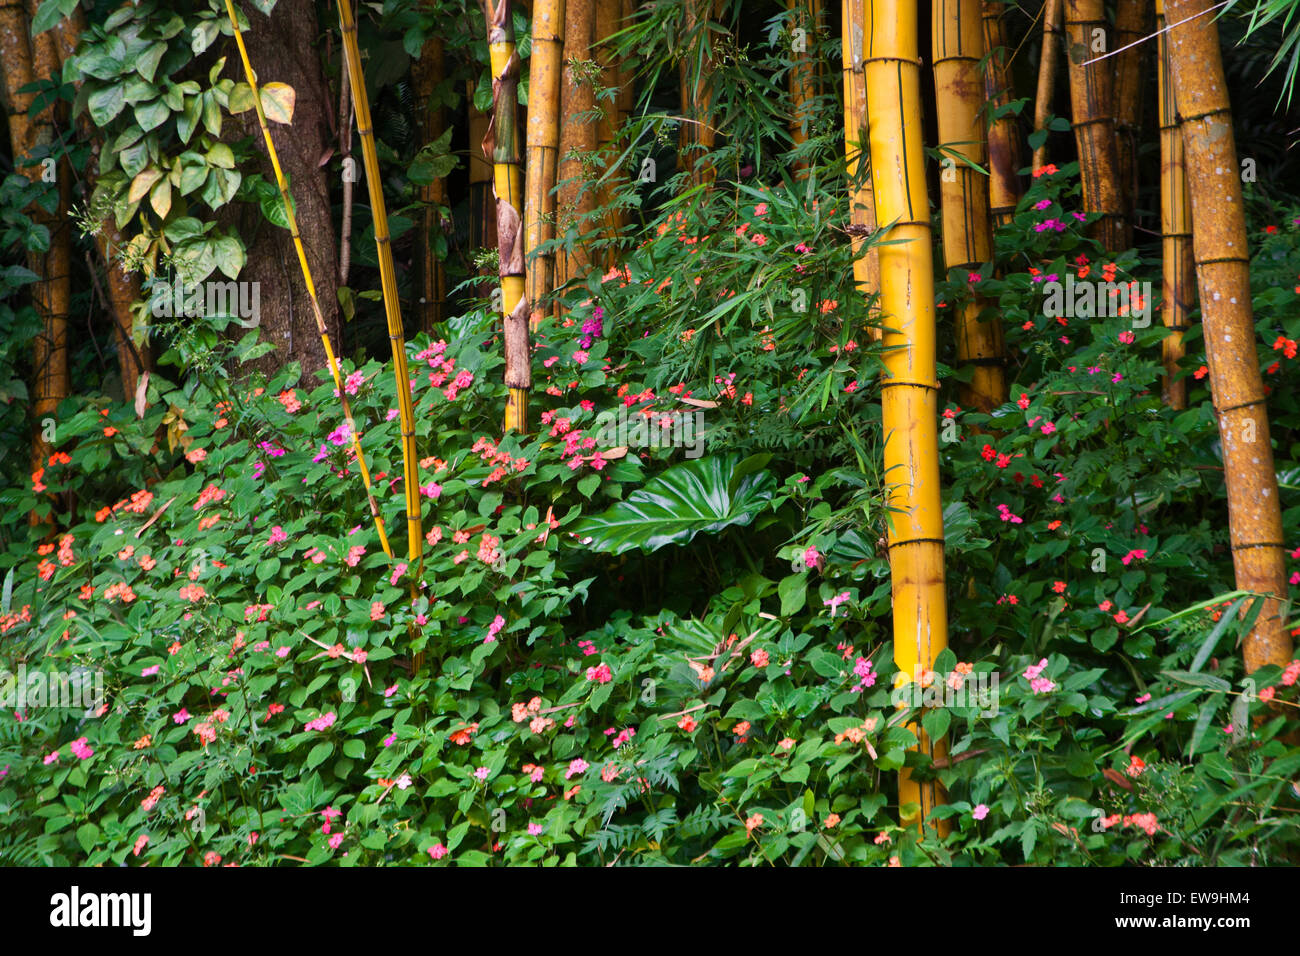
{"x":759,"y":658}
{"x":980,"y":812}
{"x":534,"y":829}
{"x":576,"y":767}
{"x":438,"y":851}
{"x":601,"y":674}
{"x":181,"y":716}
{"x":335,"y":841}
{"x":1034,"y":670}
{"x":277,"y":535}
{"x":481,"y":773}
{"x":149,"y":671}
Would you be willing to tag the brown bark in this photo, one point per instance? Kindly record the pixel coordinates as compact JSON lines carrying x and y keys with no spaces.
{"x":281,"y":49}
{"x":1003,"y":136}
{"x":52,"y":294}
{"x":1091,"y":101}
{"x":1223,"y":274}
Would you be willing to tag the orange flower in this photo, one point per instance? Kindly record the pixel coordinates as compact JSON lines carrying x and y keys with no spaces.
{"x":110,"y":431}
{"x":1047,"y":170}
{"x":832,"y":821}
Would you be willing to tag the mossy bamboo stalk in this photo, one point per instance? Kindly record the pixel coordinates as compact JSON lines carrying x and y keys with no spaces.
{"x":862,"y":200}
{"x":1222,"y":255}
{"x":1178,"y":294}
{"x":1091,"y":103}
{"x":251,"y":77}
{"x":1053,"y":12}
{"x":963,"y":190}
{"x":909,"y":397}
{"x":388,"y":283}
{"x":545,"y":67}
{"x":503,"y":145}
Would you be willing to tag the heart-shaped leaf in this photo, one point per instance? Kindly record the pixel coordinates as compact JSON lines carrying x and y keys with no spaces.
{"x":674,"y":507}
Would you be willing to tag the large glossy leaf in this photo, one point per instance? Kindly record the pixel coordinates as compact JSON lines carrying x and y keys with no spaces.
{"x":705,"y":495}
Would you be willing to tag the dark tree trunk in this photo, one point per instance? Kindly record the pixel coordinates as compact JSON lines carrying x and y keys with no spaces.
{"x":281,"y":49}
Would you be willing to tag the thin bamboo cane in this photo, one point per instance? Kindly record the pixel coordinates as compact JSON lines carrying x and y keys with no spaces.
{"x":503,"y":145}
{"x":1223,"y":274}
{"x":909,"y":397}
{"x":1003,"y":138}
{"x":544,"y":72}
{"x":862,"y":199}
{"x":388,"y":281}
{"x":1092,"y":104}
{"x":307,"y":280}
{"x":967,"y":236}
{"x":1178,"y":294}
{"x":1053,"y":12}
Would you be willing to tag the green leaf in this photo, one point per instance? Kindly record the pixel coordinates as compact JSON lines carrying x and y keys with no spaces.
{"x":153,"y":114}
{"x":87,"y":833}
{"x":146,"y":64}
{"x":794,"y":593}
{"x":319,"y":754}
{"x":105,"y":104}
{"x":46,"y":17}
{"x":686,"y":500}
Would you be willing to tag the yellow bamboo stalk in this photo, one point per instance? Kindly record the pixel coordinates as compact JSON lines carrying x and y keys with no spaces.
{"x":388,"y":282}
{"x":1053,"y":11}
{"x":503,"y":146}
{"x":1223,"y":274}
{"x":909,"y":396}
{"x":544,"y":72}
{"x":964,"y":191}
{"x":307,"y":281}
{"x":862,"y":200}
{"x":1178,"y":294}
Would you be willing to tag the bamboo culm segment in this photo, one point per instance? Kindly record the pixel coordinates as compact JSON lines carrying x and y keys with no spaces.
{"x":307,"y":281}
{"x":1178,"y":288}
{"x":502,"y":144}
{"x":575,"y":200}
{"x":1132,"y":23}
{"x":909,"y":402}
{"x":1091,"y":103}
{"x":1053,"y":11}
{"x":388,"y":281}
{"x":803,"y":74}
{"x":545,"y":66}
{"x":963,"y":190}
{"x":862,"y":200}
{"x":696,"y":136}
{"x":1003,"y":137}
{"x":1223,"y":274}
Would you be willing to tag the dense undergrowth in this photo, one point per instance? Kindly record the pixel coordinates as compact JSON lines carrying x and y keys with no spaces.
{"x":632,"y":654}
